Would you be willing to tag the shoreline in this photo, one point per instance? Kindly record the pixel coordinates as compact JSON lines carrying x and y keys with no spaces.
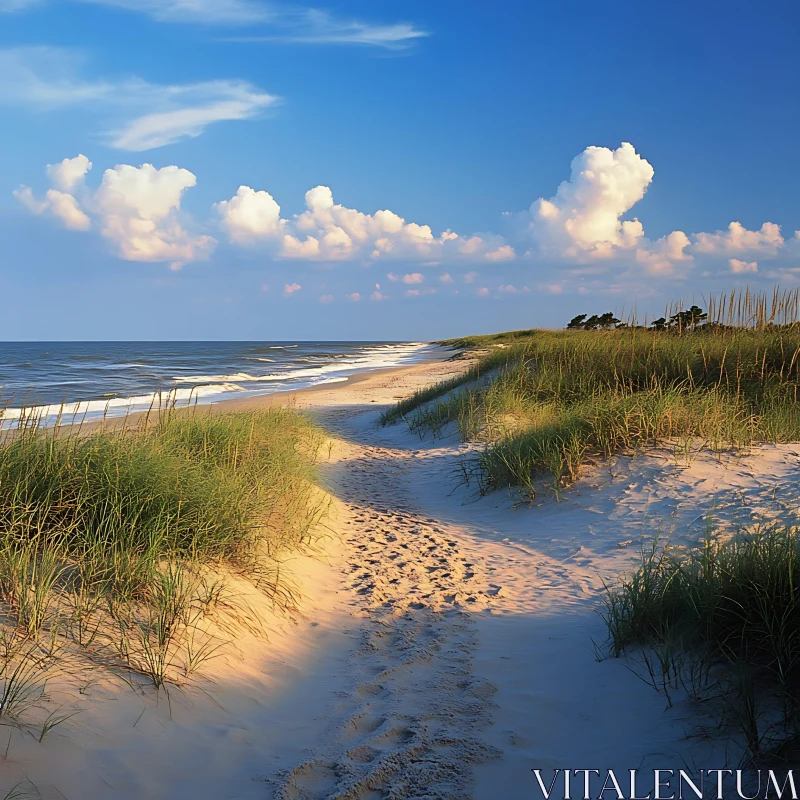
{"x":302,"y":397}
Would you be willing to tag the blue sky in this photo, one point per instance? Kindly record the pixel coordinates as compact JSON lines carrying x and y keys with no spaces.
{"x":468,"y":168}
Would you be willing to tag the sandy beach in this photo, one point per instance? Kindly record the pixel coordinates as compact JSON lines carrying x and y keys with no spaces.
{"x":443,"y":644}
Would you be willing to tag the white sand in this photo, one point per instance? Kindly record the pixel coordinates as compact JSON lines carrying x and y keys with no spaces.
{"x":444,"y":645}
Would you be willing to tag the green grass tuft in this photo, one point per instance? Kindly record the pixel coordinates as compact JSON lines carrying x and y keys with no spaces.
{"x":117,"y":529}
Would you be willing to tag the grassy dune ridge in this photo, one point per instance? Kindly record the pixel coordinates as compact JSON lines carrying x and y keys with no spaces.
{"x":117,"y":541}
{"x":556,"y":398}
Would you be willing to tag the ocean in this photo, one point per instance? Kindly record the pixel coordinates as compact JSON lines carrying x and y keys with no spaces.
{"x":87,"y":380}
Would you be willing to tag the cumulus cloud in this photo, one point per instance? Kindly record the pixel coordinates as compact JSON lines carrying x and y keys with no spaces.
{"x":414,"y":277}
{"x":137,"y":115}
{"x":68,"y":174}
{"x":354,"y":297}
{"x":483,"y":292}
{"x":665,"y":255}
{"x":583,"y":217}
{"x":577,"y":239}
{"x":136,"y":208}
{"x":503,"y":253}
{"x":291,"y":288}
{"x":581,"y":231}
{"x":327,"y":231}
{"x":738,"y":266}
{"x":738,"y":239}
{"x":326,"y":298}
{"x":250,"y":216}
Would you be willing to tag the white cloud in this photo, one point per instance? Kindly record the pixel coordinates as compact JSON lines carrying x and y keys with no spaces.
{"x":738,"y":266}
{"x":483,"y":292}
{"x":377,"y":296}
{"x":62,"y":206}
{"x":576,"y":240}
{"x":68,"y":174}
{"x":327,"y":231}
{"x":140,"y":115}
{"x":136,"y":208}
{"x":503,"y":253}
{"x":287,"y":24}
{"x":201,"y":105}
{"x":412,"y":292}
{"x":354,"y":297}
{"x":66,"y":208}
{"x":666,"y":255}
{"x":583,"y":218}
{"x":326,"y":298}
{"x":291,"y":288}
{"x":313,"y":26}
{"x":250,"y":216}
{"x":581,"y":230}
{"x":738,"y":239}
{"x":198,"y":11}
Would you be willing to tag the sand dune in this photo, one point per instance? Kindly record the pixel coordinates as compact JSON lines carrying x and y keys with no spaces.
{"x":444,"y":645}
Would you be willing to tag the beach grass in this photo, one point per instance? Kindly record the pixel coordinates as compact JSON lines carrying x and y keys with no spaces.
{"x":114,"y":535}
{"x":557,"y":398}
{"x":725,"y":621}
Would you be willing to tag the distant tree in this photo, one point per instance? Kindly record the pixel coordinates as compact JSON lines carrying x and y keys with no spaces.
{"x":591,"y":323}
{"x":659,"y":324}
{"x":576,"y":322}
{"x":607,"y":320}
{"x":594,"y":323}
{"x":687,"y":320}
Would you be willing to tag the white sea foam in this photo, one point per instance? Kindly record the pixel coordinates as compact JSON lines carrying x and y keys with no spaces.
{"x":114,"y":406}
{"x":368,"y":358}
{"x":211,"y":388}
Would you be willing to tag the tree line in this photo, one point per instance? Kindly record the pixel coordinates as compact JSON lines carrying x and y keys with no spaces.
{"x":687,"y":320}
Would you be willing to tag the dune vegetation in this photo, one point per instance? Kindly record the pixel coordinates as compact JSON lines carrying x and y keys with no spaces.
{"x":116,"y":543}
{"x":547,"y":401}
{"x":723,"y":623}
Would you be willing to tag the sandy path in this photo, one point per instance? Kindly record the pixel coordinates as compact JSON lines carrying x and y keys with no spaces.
{"x":410,"y":725}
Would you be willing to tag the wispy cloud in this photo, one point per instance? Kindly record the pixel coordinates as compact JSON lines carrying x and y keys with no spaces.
{"x":207,"y":12}
{"x":319,"y":27}
{"x":139,"y":115}
{"x":266,"y":21}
